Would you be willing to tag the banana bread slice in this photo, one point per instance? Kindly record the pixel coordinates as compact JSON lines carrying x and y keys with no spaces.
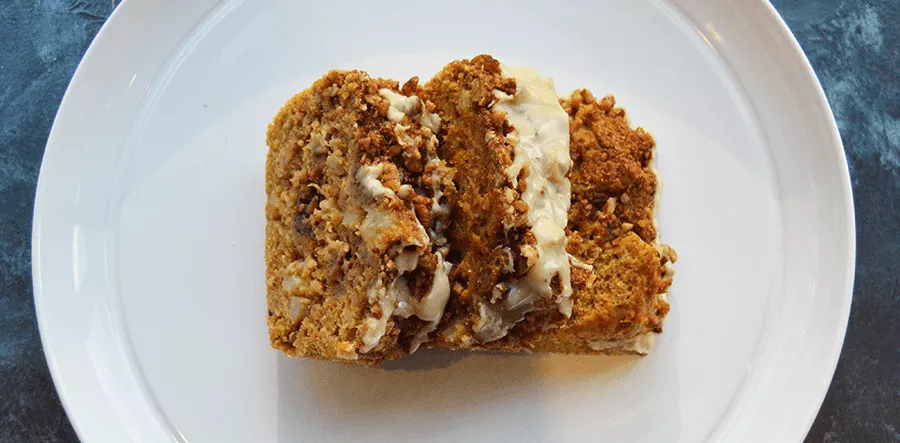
{"x":622,"y":274}
{"x":506,"y":134}
{"x":554,"y":230}
{"x":356,"y":213}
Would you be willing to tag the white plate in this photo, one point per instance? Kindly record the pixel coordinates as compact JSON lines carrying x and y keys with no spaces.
{"x":148,"y":228}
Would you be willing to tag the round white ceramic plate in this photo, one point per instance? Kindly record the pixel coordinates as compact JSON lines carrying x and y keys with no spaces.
{"x":148,"y":228}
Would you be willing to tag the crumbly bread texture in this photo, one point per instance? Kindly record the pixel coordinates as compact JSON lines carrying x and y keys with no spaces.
{"x":621,"y":276}
{"x":356,"y":206}
{"x":490,"y":226}
{"x":399,"y":218}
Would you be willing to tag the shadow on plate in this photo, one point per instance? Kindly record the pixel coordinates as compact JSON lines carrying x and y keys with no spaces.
{"x":429,"y":388}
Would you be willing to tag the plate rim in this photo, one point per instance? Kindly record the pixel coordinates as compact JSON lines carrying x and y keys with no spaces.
{"x":849,"y":215}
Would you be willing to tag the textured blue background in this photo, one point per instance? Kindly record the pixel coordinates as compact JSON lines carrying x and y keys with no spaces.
{"x":853,"y":46}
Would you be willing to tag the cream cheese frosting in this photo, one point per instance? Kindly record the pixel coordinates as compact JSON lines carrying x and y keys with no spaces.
{"x":540,"y":139}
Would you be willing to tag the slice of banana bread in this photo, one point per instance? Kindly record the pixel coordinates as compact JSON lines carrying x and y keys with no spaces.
{"x":356,"y":212}
{"x":477,"y":211}
{"x":621,"y":276}
{"x":506,"y":134}
{"x":549,"y":259}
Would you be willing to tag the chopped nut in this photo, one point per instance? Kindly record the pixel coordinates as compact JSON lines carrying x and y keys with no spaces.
{"x":299,"y":307}
{"x":530,"y":253}
{"x":405,"y":192}
{"x":520,"y":206}
{"x":510,"y":195}
{"x":409,"y":88}
{"x":610,"y":206}
{"x":347,"y":350}
{"x":498,"y":291}
{"x":667,"y":253}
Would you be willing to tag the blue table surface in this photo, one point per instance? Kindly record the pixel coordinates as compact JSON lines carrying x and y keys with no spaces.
{"x":854,"y":47}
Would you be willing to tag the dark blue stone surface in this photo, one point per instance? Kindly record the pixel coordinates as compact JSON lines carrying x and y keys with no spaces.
{"x":854,"y":47}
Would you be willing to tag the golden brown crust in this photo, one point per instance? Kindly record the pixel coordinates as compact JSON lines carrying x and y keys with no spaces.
{"x":332,"y":237}
{"x":610,"y":160}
